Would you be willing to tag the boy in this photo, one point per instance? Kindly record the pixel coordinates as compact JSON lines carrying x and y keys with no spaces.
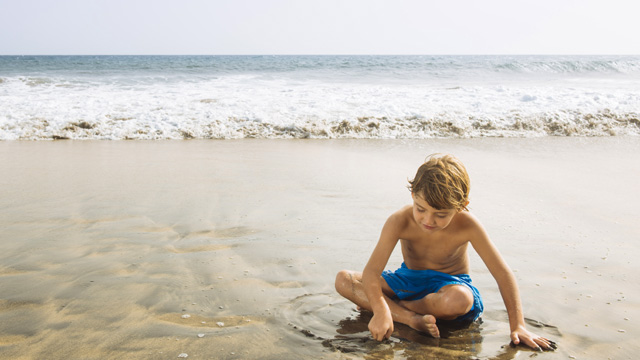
{"x":432,"y":282}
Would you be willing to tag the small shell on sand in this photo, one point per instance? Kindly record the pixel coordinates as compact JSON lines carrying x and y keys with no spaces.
{"x":220,"y":323}
{"x":183,"y":355}
{"x":200,"y":335}
{"x":186,"y":316}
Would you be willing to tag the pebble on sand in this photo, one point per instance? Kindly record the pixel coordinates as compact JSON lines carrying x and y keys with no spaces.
{"x":186,"y":316}
{"x":220,"y":323}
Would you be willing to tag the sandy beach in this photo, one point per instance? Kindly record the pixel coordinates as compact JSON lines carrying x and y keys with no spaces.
{"x":229,"y":249}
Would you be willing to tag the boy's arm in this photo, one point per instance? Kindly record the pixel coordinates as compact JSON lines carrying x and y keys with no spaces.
{"x":508,"y":289}
{"x":381,"y":324}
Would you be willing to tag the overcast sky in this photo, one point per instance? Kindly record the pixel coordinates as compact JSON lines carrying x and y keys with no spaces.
{"x":319,"y":27}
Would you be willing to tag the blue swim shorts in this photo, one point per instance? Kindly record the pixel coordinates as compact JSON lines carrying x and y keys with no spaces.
{"x":410,"y":284}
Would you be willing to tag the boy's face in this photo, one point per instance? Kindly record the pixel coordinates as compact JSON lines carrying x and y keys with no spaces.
{"x":429,"y":218}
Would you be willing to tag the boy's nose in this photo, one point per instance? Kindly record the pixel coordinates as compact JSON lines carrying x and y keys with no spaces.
{"x":430,"y":219}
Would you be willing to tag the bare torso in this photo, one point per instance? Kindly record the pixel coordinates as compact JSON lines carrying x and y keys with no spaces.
{"x":444,"y":250}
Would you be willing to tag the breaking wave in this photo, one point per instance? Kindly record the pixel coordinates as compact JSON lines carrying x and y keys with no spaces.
{"x":559,"y":124}
{"x":369,"y":97}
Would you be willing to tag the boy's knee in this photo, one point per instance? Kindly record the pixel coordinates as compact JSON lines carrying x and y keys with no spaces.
{"x":343,"y":279}
{"x":457,"y":300}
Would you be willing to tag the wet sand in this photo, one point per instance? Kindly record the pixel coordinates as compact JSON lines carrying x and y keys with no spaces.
{"x":228,"y":249}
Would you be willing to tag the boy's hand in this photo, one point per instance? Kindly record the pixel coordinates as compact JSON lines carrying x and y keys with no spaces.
{"x":532,"y":340}
{"x":381,"y":326}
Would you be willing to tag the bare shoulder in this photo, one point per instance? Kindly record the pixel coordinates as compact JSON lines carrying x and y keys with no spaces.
{"x":398,"y":221}
{"x":401,"y":218}
{"x":469,"y":224}
{"x":466,"y":218}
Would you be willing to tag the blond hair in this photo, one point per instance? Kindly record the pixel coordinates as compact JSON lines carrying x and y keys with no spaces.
{"x":443,"y":182}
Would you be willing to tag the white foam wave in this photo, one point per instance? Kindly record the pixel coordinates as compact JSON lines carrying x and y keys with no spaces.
{"x":272,"y":105}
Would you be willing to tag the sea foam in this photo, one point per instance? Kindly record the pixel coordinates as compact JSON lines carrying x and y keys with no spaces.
{"x":317,"y":97}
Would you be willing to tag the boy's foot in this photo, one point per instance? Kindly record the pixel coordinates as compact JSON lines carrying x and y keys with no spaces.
{"x":426,"y":323}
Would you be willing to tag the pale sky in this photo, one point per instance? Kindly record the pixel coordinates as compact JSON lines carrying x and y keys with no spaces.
{"x":122,"y":27}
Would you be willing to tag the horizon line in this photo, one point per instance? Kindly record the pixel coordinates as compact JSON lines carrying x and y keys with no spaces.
{"x":342,"y":54}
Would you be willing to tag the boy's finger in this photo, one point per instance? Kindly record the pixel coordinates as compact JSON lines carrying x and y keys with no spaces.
{"x":534,"y":345}
{"x":388,"y":334}
{"x":547,"y":344}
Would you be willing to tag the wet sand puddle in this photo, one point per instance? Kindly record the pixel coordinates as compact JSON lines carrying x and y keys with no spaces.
{"x":334,"y":323}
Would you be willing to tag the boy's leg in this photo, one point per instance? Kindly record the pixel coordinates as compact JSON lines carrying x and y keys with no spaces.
{"x":450,"y":302}
{"x":349,"y":284}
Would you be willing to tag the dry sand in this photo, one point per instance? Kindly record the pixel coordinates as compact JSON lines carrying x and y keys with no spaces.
{"x":228,"y":249}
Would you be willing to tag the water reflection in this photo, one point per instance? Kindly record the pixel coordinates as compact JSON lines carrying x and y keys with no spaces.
{"x":456,"y":342}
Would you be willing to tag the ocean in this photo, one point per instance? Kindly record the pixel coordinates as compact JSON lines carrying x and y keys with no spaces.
{"x":373,"y":97}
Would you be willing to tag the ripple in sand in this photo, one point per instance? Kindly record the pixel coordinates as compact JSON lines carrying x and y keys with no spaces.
{"x":211,"y":322}
{"x":11,"y":339}
{"x":230,"y":232}
{"x":334,"y":322}
{"x":315,"y":315}
{"x":327,"y":319}
{"x":287,"y":284}
{"x":5,"y":271}
{"x":193,"y":249}
{"x":221,"y":233}
{"x":550,"y":329}
{"x":6,"y":305}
